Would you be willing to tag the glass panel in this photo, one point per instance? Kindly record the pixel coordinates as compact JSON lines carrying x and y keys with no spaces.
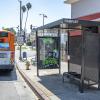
{"x":75,"y":48}
{"x":91,"y":56}
{"x":48,"y":52}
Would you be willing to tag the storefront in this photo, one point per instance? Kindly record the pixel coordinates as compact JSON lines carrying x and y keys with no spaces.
{"x":85,"y":9}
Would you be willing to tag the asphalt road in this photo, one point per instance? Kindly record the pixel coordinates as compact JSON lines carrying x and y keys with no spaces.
{"x":13,"y":87}
{"x":30,"y":53}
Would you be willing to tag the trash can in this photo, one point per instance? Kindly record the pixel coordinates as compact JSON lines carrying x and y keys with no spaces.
{"x":24,"y":56}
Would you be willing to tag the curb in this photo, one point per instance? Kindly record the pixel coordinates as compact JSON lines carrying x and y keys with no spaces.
{"x":40,"y":94}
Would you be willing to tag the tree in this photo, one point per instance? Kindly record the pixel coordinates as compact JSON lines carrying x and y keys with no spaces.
{"x":9,"y":29}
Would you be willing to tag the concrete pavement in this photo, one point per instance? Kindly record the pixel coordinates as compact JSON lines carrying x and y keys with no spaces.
{"x":49,"y":84}
{"x":13,"y":87}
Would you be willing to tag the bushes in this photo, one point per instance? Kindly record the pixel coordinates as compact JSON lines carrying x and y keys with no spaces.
{"x":28,"y":43}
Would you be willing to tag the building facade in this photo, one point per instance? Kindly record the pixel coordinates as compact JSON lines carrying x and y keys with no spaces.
{"x":85,"y":9}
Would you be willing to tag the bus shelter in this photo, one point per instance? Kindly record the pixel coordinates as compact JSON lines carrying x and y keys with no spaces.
{"x":83,"y":49}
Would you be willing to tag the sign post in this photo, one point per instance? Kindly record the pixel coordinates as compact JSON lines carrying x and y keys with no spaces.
{"x":20,"y":41}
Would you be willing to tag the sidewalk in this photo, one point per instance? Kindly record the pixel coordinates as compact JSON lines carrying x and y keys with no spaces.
{"x":49,"y":84}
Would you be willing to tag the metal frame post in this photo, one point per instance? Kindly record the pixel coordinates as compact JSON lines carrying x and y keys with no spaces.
{"x":37,"y":49}
{"x":59,"y":41}
{"x":68,"y":49}
{"x":99,"y":62}
{"x":81,"y":87}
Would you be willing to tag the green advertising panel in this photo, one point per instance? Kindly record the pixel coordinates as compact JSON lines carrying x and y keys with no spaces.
{"x":48,"y":52}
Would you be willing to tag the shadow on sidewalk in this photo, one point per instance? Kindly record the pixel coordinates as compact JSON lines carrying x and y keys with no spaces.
{"x":67,"y":90}
{"x":8,"y":76}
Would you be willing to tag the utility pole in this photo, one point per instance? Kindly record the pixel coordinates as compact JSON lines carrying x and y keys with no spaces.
{"x":20,"y":57}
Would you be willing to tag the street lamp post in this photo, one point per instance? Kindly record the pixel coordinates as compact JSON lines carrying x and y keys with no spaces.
{"x":44,"y":16}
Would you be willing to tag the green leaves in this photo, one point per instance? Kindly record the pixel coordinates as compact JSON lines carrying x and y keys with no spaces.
{"x":10,"y":29}
{"x":48,"y":40}
{"x":50,"y":61}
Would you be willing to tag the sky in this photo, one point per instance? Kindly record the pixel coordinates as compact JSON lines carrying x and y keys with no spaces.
{"x":54,"y":9}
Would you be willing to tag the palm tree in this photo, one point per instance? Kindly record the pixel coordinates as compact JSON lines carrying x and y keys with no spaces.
{"x":24,"y":10}
{"x":29,"y":6}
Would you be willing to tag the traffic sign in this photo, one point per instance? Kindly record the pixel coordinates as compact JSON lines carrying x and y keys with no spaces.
{"x":20,"y":40}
